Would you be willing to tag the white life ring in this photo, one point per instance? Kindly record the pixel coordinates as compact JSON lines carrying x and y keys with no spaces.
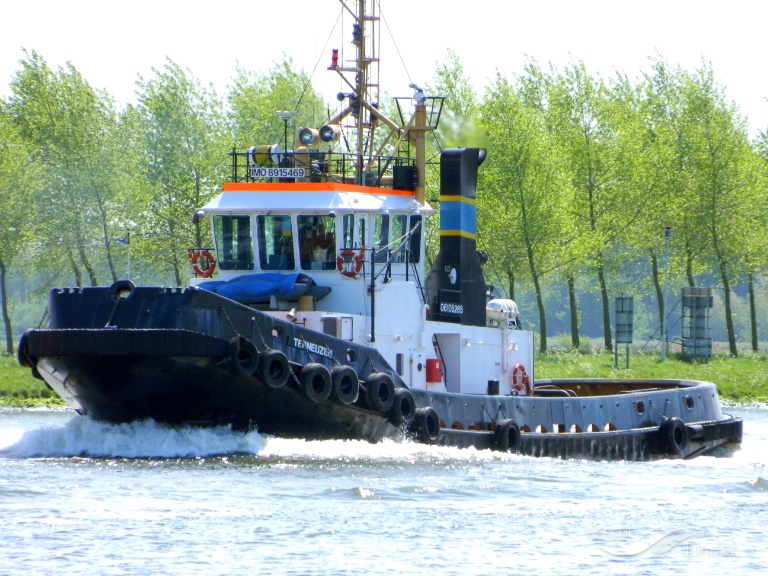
{"x":207,"y":263}
{"x":350,"y":263}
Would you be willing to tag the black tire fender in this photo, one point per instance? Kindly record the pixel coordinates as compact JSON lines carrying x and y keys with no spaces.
{"x":242,"y":357}
{"x":22,"y":351}
{"x":426,"y":425}
{"x":403,"y":409}
{"x":379,"y":392}
{"x":121,"y":289}
{"x":674,"y":436}
{"x":345,"y":385}
{"x":506,"y":436}
{"x":274,"y":369}
{"x":315,"y":380}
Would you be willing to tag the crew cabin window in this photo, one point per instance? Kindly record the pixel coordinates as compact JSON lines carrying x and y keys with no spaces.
{"x":353,"y":233}
{"x":399,"y":232}
{"x":317,"y":242}
{"x":234,"y":242}
{"x":381,"y":237}
{"x":275,"y":239}
{"x":414,"y":246}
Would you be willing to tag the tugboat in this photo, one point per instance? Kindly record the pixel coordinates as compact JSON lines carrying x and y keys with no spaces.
{"x":323,"y":321}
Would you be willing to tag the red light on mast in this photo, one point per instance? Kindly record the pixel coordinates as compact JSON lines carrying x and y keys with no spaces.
{"x":334,"y":58}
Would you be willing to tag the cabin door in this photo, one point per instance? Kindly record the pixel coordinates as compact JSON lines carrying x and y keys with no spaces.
{"x":448,"y":349}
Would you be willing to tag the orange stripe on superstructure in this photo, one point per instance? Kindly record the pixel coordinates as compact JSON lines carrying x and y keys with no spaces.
{"x":310,"y":187}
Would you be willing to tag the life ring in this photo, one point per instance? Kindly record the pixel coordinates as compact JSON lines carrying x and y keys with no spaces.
{"x":521,"y":382}
{"x":206,"y":272}
{"x":349,"y":263}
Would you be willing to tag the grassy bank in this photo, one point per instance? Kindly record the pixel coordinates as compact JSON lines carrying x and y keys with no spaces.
{"x":18,"y":389}
{"x":740,"y":380}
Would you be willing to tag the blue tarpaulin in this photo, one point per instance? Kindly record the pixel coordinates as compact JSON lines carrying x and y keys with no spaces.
{"x":253,"y":288}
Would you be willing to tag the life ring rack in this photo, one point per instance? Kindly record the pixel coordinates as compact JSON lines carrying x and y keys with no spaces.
{"x":349,"y":262}
{"x":207,"y":263}
{"x":520,"y":381}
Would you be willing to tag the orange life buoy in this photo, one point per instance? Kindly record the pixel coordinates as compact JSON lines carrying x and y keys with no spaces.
{"x":521,"y":382}
{"x":349,"y":263}
{"x":207,"y":265}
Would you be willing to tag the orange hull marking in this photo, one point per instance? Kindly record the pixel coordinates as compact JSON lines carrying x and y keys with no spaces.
{"x":310,"y":187}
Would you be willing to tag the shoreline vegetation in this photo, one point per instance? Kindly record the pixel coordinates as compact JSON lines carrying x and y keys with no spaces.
{"x":742,"y":380}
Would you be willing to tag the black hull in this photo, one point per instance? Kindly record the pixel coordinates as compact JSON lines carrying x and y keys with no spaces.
{"x":207,"y":396}
{"x":179,"y":391}
{"x":187,"y":357}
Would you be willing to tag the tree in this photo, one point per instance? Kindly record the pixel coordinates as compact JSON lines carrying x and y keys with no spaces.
{"x":255,"y":98}
{"x":459,"y":119}
{"x":458,"y":127}
{"x":587,"y":117}
{"x":74,"y":131}
{"x":523,"y":202}
{"x":19,"y":186}
{"x":183,"y":143}
{"x":719,"y":183}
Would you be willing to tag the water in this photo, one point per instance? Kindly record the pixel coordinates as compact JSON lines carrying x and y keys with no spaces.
{"x":77,"y":495}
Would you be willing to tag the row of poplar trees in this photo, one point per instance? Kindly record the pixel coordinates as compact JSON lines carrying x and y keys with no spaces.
{"x":585,"y":174}
{"x":582,"y":178}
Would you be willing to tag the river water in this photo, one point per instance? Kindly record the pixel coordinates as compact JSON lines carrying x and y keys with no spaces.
{"x":77,"y":496}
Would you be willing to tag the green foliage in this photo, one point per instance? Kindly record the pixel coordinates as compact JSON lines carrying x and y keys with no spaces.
{"x":582,"y":176}
{"x":255,"y":98}
{"x":18,"y":192}
{"x":459,"y":126}
{"x":525,"y":192}
{"x":74,"y":133}
{"x":184,"y":136}
{"x":18,"y":389}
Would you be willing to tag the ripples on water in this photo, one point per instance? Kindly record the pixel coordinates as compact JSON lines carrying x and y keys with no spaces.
{"x":79,"y":495}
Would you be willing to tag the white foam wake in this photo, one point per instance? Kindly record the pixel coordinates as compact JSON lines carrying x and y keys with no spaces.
{"x":146,"y":439}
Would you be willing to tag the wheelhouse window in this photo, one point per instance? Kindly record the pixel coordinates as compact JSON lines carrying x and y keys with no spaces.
{"x":234,"y":242}
{"x":381,"y":237}
{"x":317,"y":242}
{"x":399,"y":232}
{"x":414,"y":246}
{"x":353,"y":231}
{"x":275,"y":241}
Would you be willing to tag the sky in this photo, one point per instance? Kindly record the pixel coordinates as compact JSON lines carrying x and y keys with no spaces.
{"x":113,"y":43}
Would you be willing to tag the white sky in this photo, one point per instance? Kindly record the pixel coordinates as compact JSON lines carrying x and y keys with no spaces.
{"x":111,"y":43}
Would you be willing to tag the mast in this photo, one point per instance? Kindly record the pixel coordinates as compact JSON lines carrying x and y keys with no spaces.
{"x":366,"y":113}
